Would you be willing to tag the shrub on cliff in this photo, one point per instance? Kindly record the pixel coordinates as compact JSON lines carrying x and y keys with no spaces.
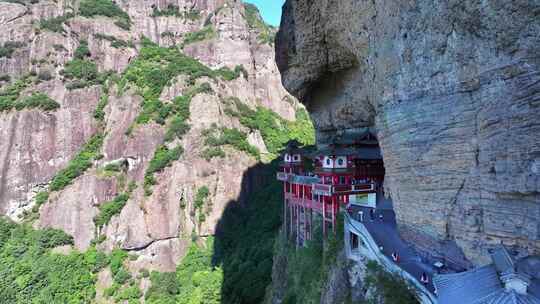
{"x":82,"y":51}
{"x":276,"y":131}
{"x":91,"y":8}
{"x":206,"y":33}
{"x":217,"y":137}
{"x":109,"y":209}
{"x":254,"y":21}
{"x":8,"y":48}
{"x":228,"y":74}
{"x":37,"y":101}
{"x":163,"y":157}
{"x":81,"y":69}
{"x":55,"y":24}
{"x":115,"y":42}
{"x":79,"y":164}
{"x":11,"y":93}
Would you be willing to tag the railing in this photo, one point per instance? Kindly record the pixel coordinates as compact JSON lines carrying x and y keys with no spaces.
{"x":324,"y":189}
{"x":424,"y":295}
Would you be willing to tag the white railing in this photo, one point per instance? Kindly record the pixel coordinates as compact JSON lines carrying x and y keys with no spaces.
{"x":374,"y":253}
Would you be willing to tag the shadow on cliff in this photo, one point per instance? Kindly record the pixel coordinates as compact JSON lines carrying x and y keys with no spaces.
{"x":245,"y":234}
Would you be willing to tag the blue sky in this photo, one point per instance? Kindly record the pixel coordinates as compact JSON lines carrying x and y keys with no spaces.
{"x":270,"y":10}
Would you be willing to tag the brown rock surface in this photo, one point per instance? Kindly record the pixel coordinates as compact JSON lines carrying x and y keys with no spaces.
{"x":453,"y":89}
{"x":37,"y":145}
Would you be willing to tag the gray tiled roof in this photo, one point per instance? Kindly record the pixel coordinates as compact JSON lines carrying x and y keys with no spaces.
{"x":478,"y":286}
{"x":508,"y":297}
{"x":467,"y":287}
{"x":369,"y":153}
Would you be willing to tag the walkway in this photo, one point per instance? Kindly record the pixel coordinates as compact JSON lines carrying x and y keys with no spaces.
{"x":385,"y":233}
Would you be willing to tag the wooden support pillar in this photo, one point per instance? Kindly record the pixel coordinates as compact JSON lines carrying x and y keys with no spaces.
{"x":334,"y":199}
{"x":311,"y":224}
{"x":304,"y":213}
{"x":297,"y":225}
{"x":285,"y":224}
{"x":324,"y":217}
{"x":291,"y":218}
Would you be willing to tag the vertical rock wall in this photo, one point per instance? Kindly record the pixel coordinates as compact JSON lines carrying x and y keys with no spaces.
{"x":35,"y":145}
{"x":453,"y":89}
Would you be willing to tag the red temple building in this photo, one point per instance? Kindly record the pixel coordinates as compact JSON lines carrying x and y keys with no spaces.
{"x":344,"y":173}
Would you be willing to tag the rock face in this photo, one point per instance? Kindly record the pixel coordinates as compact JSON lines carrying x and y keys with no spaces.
{"x":35,"y":145}
{"x":453,"y":90}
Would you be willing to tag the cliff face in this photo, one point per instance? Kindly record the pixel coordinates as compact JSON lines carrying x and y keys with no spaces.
{"x":453,"y":90}
{"x":37,"y":144}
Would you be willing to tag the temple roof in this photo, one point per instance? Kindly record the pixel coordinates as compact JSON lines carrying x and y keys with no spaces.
{"x":369,"y":153}
{"x":295,"y":147}
{"x":484,"y":285}
{"x":467,"y":287}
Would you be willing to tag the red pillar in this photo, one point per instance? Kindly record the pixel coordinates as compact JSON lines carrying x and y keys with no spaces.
{"x":285,"y":209}
{"x":304,"y":212}
{"x":334,"y":204}
{"x":324,"y":215}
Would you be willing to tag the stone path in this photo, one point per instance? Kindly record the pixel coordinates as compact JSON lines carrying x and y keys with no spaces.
{"x":386,"y":235}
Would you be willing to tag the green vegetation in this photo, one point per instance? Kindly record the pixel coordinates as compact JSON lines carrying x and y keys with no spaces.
{"x":196,"y":280}
{"x":81,"y":69}
{"x":168,"y":34}
{"x":163,"y":157}
{"x":212,"y":152}
{"x":267,"y":34}
{"x":82,"y":51}
{"x":216,"y":137}
{"x":42,"y":197}
{"x":82,"y":72}
{"x":159,"y":111}
{"x":206,"y":33}
{"x":245,"y":242}
{"x":44,"y":75}
{"x":115,"y":42}
{"x":55,"y":24}
{"x":35,"y":101}
{"x":107,"y":8}
{"x":171,"y":11}
{"x":109,"y":209}
{"x":32,"y":274}
{"x":201,"y":201}
{"x":275,"y":130}
{"x":174,"y":11}
{"x":124,"y":287}
{"x":79,"y":164}
{"x":11,"y":93}
{"x":308,"y":267}
{"x":75,"y":168}
{"x":156,"y":67}
{"x":99,"y":112}
{"x":228,"y":74}
{"x":10,"y":98}
{"x":392,"y":289}
{"x":9,"y":47}
{"x":192,"y":15}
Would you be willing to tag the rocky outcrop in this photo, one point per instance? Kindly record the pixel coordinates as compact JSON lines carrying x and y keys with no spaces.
{"x":37,"y":145}
{"x":453,"y":89}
